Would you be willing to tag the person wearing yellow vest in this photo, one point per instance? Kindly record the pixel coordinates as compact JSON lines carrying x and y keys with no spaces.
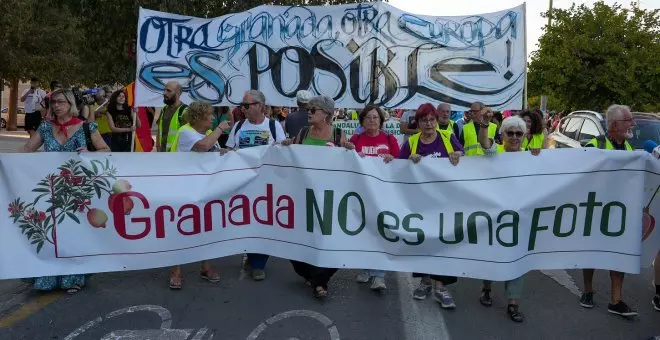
{"x":469,"y":135}
{"x":97,"y":112}
{"x":444,"y":123}
{"x":513,"y":130}
{"x":619,"y":122}
{"x":171,"y":117}
{"x":432,"y":143}
{"x":535,"y":136}
{"x":196,"y":136}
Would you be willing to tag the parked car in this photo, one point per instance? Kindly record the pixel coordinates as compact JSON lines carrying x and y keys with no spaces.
{"x":579,"y":127}
{"x":4,"y":117}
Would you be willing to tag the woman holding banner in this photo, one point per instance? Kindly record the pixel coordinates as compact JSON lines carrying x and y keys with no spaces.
{"x":374,"y":142}
{"x":512,"y":131}
{"x":320,"y":132}
{"x":434,"y":143}
{"x":197,"y":136}
{"x":64,"y":133}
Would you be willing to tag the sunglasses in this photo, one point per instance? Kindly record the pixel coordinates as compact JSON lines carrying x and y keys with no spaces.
{"x":517,"y":134}
{"x":247,"y":105}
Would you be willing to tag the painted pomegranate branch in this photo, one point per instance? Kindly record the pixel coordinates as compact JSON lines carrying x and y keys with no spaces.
{"x":68,"y":193}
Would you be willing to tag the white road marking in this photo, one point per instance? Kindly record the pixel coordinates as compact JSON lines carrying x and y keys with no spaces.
{"x":563,"y":278}
{"x":332,"y":329}
{"x":421,"y":321}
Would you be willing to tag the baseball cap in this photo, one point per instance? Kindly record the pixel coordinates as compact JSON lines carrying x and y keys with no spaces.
{"x":303,"y":96}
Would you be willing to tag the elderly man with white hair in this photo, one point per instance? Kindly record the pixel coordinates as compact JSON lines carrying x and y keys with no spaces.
{"x":619,"y":121}
{"x":512,"y":130}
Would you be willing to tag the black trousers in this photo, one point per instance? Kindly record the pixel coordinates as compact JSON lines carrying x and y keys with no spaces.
{"x":445,"y":280}
{"x":317,"y":276}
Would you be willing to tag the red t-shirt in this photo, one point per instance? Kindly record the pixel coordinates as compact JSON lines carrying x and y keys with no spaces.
{"x":380,"y":145}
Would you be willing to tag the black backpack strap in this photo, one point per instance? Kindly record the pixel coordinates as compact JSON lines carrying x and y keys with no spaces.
{"x":238,"y":126}
{"x":181,"y":110}
{"x":337,"y":136}
{"x":273,"y":130}
{"x":601,"y":141}
{"x":88,"y":137}
{"x":302,"y":134}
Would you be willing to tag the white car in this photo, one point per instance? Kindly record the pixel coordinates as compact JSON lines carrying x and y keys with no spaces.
{"x":20,"y":117}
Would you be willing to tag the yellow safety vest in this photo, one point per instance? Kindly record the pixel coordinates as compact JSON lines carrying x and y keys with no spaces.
{"x":413,"y":141}
{"x":536,"y":143}
{"x":449,"y":129}
{"x":102,"y":120}
{"x":187,"y":127}
{"x":472,"y":146}
{"x":608,"y":145}
{"x":174,"y":126}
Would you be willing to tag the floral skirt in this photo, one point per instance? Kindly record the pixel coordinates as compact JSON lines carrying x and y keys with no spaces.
{"x":59,"y":282}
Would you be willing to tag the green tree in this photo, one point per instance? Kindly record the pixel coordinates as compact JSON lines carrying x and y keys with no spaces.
{"x":37,"y":38}
{"x":592,"y":57}
{"x":110,"y":27}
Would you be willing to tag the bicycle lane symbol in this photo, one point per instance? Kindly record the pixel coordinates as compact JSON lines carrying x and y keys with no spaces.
{"x":165,"y":332}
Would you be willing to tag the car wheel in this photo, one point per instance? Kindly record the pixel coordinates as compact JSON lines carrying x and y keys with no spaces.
{"x":3,"y":124}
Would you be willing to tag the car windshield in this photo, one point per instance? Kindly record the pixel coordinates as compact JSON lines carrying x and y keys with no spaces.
{"x":645,"y":130}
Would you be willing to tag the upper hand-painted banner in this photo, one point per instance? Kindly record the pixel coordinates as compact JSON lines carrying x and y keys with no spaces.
{"x":358,"y":54}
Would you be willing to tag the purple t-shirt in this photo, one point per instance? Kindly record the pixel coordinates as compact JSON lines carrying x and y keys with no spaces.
{"x":436,"y":149}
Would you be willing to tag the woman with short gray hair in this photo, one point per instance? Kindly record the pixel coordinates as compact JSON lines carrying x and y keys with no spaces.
{"x":320,"y":111}
{"x":512,"y":130}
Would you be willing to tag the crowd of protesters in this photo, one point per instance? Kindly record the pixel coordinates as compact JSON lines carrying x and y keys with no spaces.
{"x":107,"y":123}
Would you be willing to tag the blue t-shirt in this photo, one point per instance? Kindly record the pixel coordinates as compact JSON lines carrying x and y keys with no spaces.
{"x":74,"y":142}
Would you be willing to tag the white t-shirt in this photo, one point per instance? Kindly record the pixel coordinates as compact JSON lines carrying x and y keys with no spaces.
{"x":33,"y":100}
{"x":188,"y":139}
{"x":254,"y":135}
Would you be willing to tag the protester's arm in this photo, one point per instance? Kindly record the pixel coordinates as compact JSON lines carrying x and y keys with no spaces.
{"x":482,"y":118}
{"x":395,"y":150}
{"x":25,"y":93}
{"x":456,"y":132}
{"x":33,"y":144}
{"x":205,"y":144}
{"x":99,"y":143}
{"x":280,"y":133}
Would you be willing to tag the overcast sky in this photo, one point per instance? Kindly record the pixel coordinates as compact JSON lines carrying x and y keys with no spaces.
{"x":535,"y":22}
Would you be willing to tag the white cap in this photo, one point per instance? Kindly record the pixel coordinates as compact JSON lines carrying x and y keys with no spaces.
{"x":303,"y":96}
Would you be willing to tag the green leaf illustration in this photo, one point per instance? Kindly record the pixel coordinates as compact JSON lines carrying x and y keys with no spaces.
{"x":41,"y":190}
{"x":39,"y":246}
{"x":73,"y":217}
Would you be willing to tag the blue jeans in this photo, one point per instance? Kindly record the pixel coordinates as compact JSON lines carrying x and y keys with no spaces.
{"x":257,"y":261}
{"x":513,"y":288}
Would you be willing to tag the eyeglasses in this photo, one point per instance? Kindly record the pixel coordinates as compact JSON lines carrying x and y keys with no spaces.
{"x":371,"y":117}
{"x":247,"y":105}
{"x":314,"y":110}
{"x":428,"y":121}
{"x":628,"y":120}
{"x":517,"y":134}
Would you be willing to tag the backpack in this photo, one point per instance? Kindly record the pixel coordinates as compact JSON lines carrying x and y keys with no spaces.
{"x":305,"y":131}
{"x":88,"y":137}
{"x":271,"y":126}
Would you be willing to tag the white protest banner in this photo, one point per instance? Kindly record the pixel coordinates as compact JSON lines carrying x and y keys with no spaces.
{"x":358,"y":54}
{"x":349,"y":127}
{"x":489,"y":217}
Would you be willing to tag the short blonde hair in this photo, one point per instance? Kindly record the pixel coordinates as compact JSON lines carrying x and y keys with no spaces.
{"x":198,"y":111}
{"x":68,"y":95}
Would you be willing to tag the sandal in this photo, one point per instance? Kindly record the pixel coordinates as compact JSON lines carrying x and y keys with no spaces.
{"x":320,"y":292}
{"x":210,"y":276}
{"x":514,"y":313}
{"x":74,"y":289}
{"x":485,"y":298}
{"x":175,"y":282}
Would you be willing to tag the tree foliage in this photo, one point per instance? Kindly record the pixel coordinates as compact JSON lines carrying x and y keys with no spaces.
{"x":592,"y":57}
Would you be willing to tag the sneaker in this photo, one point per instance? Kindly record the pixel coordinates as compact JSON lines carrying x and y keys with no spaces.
{"x":363,"y":277}
{"x":514,"y":313}
{"x":656,"y":302}
{"x":378,"y":283}
{"x":258,"y":274}
{"x":444,"y":298}
{"x":485,"y":298}
{"x":587,"y":300}
{"x":423,"y":290}
{"x":621,"y":308}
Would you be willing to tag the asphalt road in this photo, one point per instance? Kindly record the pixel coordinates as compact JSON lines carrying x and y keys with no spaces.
{"x":10,"y":141}
{"x":281,"y":307}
